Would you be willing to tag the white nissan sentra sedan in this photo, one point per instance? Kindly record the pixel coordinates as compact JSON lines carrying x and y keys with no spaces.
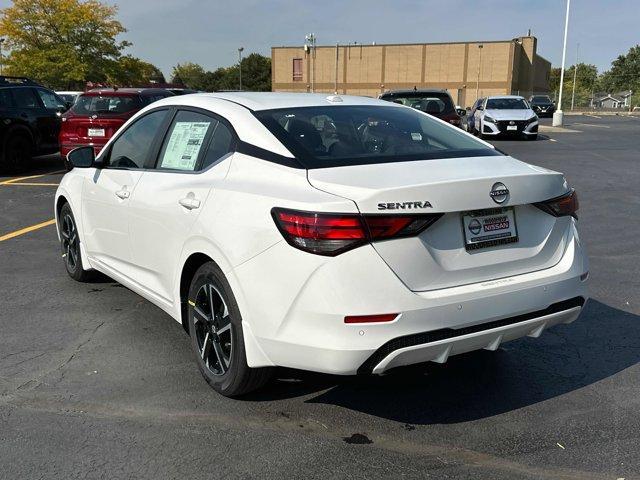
{"x":337,"y":234}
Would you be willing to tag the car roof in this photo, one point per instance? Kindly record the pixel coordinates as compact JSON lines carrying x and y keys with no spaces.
{"x":505,"y":96}
{"x":126,"y":91}
{"x":273,"y":100}
{"x":419,"y":90}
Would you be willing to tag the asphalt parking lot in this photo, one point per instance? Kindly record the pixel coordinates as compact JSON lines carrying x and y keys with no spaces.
{"x":96,"y":382}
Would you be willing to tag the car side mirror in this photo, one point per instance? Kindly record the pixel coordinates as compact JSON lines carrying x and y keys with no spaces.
{"x":81,"y":157}
{"x":480,"y":107}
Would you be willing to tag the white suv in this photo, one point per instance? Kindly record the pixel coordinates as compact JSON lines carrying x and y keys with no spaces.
{"x":337,"y":234}
{"x":508,"y":115}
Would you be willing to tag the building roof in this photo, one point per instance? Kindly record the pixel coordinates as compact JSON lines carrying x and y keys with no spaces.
{"x":273,"y":100}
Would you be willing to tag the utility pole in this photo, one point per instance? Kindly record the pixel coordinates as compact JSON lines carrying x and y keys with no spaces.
{"x":575,"y":75}
{"x":480,"y":47}
{"x":240,"y":50}
{"x":558,"y":115}
{"x":311,"y":39}
{"x":335,"y":87}
{"x":1,"y":58}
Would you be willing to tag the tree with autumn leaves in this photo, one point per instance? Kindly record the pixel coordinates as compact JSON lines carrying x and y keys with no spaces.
{"x":67,"y":43}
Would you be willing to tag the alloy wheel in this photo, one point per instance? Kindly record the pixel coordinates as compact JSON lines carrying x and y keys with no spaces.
{"x":213,"y":332}
{"x":70,"y":243}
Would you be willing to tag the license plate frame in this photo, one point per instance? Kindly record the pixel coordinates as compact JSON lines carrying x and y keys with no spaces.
{"x":490,"y":227}
{"x":95,"y":132}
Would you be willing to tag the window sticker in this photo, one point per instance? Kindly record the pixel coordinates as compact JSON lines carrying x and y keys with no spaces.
{"x":184,"y":145}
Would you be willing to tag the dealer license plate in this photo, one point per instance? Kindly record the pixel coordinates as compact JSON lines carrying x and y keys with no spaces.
{"x":488,"y":228}
{"x":96,"y":132}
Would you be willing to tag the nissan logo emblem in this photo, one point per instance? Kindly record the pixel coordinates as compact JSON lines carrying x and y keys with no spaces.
{"x":499,"y":192}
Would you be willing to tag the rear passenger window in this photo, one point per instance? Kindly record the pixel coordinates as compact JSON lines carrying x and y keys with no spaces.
{"x":183,"y":145}
{"x":6,"y":101}
{"x":25,"y":98}
{"x":219,"y":146}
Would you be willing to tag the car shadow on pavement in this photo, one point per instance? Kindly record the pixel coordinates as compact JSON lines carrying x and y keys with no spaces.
{"x":37,"y":166}
{"x":601,"y":343}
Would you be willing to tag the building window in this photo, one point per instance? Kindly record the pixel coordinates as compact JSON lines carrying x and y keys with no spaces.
{"x":297,"y":69}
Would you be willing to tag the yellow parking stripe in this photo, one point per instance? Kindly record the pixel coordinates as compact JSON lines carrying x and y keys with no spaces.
{"x":32,"y":184}
{"x":27,"y":230}
{"x":18,"y":179}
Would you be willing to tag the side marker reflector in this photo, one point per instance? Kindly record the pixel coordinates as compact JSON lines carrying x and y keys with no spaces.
{"x":191,"y":302}
{"x":387,"y":317}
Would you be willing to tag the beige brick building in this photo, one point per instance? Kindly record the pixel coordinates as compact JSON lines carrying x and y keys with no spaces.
{"x":489,"y":68}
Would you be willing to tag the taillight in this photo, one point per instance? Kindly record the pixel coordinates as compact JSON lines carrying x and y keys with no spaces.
{"x":333,"y":233}
{"x":561,"y":206}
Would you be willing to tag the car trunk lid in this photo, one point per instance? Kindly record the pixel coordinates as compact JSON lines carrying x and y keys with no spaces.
{"x":439,"y":256}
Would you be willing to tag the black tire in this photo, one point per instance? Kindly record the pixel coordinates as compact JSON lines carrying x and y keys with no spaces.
{"x":18,"y":149}
{"x":70,"y":245}
{"x":215,"y":328}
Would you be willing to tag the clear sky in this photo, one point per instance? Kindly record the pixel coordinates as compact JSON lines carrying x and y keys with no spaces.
{"x":165,"y":32}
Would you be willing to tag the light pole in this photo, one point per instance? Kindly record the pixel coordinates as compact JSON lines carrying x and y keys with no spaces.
{"x":558,"y":115}
{"x":311,"y":39}
{"x":1,"y":58}
{"x":480,"y":47}
{"x":575,"y":74}
{"x":240,"y":50}
{"x":335,"y":86}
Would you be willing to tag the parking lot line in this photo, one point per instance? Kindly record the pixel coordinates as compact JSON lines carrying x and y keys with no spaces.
{"x":30,"y":177}
{"x":31,"y":184}
{"x":22,"y":231}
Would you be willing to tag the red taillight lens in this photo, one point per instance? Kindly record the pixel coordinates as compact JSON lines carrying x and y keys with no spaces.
{"x":561,"y":206}
{"x":331,"y":234}
{"x":320,"y":233}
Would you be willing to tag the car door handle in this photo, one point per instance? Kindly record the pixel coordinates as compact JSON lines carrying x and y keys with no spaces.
{"x":189,"y":203}
{"x":123,"y":194}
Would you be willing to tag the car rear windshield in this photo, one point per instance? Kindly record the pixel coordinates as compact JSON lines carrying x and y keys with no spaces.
{"x":435,"y":103}
{"x":507,"y":104}
{"x":329,"y":136}
{"x":105,"y":105}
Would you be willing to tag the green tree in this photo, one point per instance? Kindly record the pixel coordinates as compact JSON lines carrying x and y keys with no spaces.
{"x":62,"y":43}
{"x":189,"y":74}
{"x":625,"y":72}
{"x":130,"y":71}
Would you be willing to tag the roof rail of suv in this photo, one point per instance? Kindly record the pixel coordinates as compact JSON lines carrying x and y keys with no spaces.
{"x":7,"y":81}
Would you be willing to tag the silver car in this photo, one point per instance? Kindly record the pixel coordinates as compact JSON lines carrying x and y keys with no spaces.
{"x":506,"y":115}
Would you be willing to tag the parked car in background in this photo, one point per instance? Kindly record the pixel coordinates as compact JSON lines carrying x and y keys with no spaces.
{"x":98,"y":113}
{"x":542,"y":105}
{"x":338,"y":234}
{"x":508,"y":115}
{"x":69,"y":96}
{"x":471,"y":124}
{"x":182,"y":91}
{"x":434,"y":102}
{"x":29,"y":121}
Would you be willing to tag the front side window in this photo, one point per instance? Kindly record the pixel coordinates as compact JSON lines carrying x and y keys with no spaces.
{"x":185,"y":140}
{"x":51,"y":100}
{"x":507,"y":104}
{"x":327,"y":136}
{"x":131,"y":149}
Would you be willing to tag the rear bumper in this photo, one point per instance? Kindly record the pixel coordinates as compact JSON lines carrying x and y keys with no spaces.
{"x":298,"y":322}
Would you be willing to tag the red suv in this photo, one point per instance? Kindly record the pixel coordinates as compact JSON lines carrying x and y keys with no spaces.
{"x":434,"y":102}
{"x":98,"y":113}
